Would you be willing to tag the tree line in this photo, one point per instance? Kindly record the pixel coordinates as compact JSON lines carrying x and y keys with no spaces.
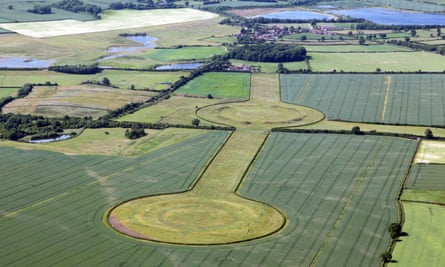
{"x":76,"y":69}
{"x":268,"y":52}
{"x":78,"y":6}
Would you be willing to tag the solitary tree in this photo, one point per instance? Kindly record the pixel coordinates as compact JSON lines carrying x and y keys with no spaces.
{"x":386,"y":256}
{"x":429,"y":134}
{"x":106,"y":81}
{"x":356,"y":130}
{"x":395,"y":230}
{"x":195,"y":122}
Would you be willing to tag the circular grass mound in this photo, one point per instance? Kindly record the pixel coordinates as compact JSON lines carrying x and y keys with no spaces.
{"x":264,"y":116}
{"x":187,"y":219}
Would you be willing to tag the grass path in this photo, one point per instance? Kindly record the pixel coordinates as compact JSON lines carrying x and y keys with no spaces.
{"x":212,"y":212}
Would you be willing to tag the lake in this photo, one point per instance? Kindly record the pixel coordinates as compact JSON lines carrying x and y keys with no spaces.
{"x":24,"y":63}
{"x":60,"y":138}
{"x":146,"y":41}
{"x":392,"y":17}
{"x":179,"y":66}
{"x":297,"y":15}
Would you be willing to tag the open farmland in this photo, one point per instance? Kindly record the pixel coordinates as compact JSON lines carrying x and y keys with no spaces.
{"x":175,"y":110}
{"x":112,"y":142}
{"x":111,"y":20}
{"x":90,"y":184}
{"x":4,"y":92}
{"x":387,"y":98}
{"x":260,"y":195}
{"x":78,"y":101}
{"x":185,"y":53}
{"x":424,"y":244}
{"x":119,"y":78}
{"x":218,"y":84}
{"x":369,"y":62}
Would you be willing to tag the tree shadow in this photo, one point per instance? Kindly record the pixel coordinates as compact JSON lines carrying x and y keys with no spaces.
{"x":404,"y":234}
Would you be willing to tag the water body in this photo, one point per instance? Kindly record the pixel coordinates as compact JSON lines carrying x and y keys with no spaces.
{"x":297,"y":15}
{"x":180,"y":66}
{"x":146,"y":41}
{"x":60,"y":138}
{"x":326,"y":6}
{"x":392,"y":17}
{"x":21,"y":62}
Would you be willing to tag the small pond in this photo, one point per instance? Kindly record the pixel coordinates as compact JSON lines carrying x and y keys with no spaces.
{"x":180,"y":66}
{"x":60,"y":138}
{"x":119,"y":51}
{"x":297,"y":15}
{"x":21,"y":62}
{"x":392,"y":17}
{"x":145,"y":40}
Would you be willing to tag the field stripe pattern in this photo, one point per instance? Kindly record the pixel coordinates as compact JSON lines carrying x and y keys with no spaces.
{"x":408,"y":99}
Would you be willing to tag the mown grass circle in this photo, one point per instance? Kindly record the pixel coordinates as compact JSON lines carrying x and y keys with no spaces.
{"x":185,"y":219}
{"x":265,"y":116}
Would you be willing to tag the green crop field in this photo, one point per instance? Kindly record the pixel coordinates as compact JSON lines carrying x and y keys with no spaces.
{"x":185,"y":53}
{"x":4,"y":92}
{"x":122,"y":79}
{"x":175,"y":110}
{"x":270,"y":67}
{"x":218,"y":84}
{"x":69,"y":195}
{"x":354,"y":48}
{"x":387,"y":98}
{"x":369,"y":62}
{"x":427,"y":177}
{"x":339,"y":187}
{"x":53,"y":205}
{"x":424,"y":244}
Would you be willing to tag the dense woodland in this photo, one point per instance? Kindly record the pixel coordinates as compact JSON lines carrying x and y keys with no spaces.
{"x":268,"y":52}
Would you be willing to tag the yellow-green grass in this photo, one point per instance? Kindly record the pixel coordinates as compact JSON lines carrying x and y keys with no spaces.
{"x":369,"y":62}
{"x":120,"y":78}
{"x":185,"y":53}
{"x":210,"y":213}
{"x":425,"y":242}
{"x":175,"y":110}
{"x":264,"y":110}
{"x":355,"y":48}
{"x":271,"y":67}
{"x":58,"y":101}
{"x":227,"y":39}
{"x":112,"y":141}
{"x":434,"y":42}
{"x":111,"y":20}
{"x":218,"y":84}
{"x":430,"y":196}
{"x":262,"y":115}
{"x":4,"y":92}
{"x":91,"y":47}
{"x":431,"y":151}
{"x":368,"y":127}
